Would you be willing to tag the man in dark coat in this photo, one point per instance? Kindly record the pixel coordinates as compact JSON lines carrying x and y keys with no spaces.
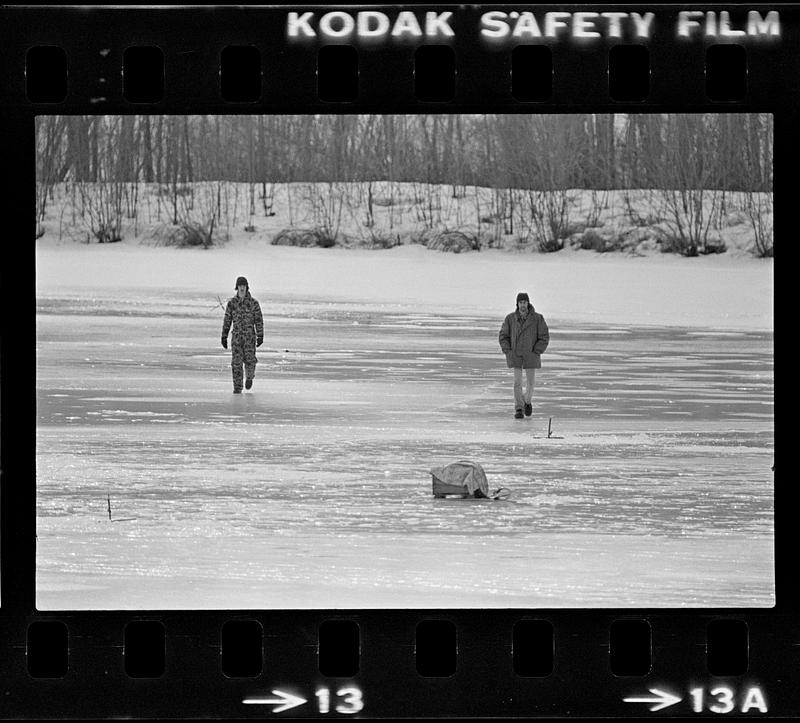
{"x":523,"y":338}
{"x":243,"y":312}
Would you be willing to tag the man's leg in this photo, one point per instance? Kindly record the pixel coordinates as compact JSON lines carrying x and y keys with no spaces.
{"x":519,"y":400}
{"x":237,"y":359}
{"x":531,"y":379}
{"x":250,"y":362}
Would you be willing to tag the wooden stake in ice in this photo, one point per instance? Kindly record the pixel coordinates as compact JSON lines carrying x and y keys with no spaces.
{"x":108,"y":499}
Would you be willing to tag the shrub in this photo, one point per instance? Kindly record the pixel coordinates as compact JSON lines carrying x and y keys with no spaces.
{"x":548,"y":245}
{"x":632,"y":239}
{"x":760,"y":215}
{"x":303,"y":237}
{"x":188,"y":235}
{"x":107,"y":233}
{"x":454,"y":241}
{"x":672,"y":243}
{"x":713,"y":246}
{"x":591,"y":240}
{"x":422,"y":237}
{"x":640,"y":240}
{"x":378,"y":241}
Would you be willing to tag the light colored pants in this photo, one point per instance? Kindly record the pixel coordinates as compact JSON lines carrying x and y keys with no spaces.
{"x":520,"y":398}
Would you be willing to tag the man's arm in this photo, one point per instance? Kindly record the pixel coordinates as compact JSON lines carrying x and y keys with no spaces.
{"x":227,"y":321}
{"x":259,"y":321}
{"x":505,"y":336}
{"x":543,"y":334}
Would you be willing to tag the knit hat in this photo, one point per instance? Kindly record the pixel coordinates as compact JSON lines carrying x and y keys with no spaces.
{"x":522,"y":296}
{"x":241,"y":280}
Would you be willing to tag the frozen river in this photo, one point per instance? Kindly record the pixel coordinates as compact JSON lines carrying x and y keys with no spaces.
{"x":642,"y":479}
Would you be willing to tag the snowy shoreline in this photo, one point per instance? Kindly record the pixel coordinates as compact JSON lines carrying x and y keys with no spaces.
{"x":715,"y":291}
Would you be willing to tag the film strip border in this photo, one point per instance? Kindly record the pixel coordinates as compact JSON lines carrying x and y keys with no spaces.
{"x":272,"y":59}
{"x":415,"y":665}
{"x":391,"y":663}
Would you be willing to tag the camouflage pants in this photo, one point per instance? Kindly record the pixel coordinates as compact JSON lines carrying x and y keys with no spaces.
{"x":243,"y":352}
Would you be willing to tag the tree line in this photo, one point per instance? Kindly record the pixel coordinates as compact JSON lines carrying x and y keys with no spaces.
{"x":730,"y":152}
{"x":696,"y":168}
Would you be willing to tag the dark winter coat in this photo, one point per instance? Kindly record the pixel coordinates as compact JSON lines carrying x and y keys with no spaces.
{"x":244,"y":315}
{"x":523,"y":342}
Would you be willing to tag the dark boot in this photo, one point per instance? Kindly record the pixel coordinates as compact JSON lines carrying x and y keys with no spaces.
{"x":248,"y":383}
{"x":518,"y":414}
{"x":528,"y":410}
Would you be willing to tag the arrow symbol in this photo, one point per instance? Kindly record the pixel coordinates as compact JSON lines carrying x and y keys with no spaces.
{"x":283,"y":702}
{"x":661,"y":699}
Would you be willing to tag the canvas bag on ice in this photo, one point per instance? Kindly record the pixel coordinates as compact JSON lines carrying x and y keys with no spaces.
{"x":468,"y":474}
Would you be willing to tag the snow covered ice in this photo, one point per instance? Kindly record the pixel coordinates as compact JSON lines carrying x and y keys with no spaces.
{"x":312,"y":490}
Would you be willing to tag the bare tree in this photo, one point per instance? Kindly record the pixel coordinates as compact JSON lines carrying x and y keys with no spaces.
{"x":691,"y":201}
{"x":758,"y":207}
{"x":539,"y":153}
{"x":699,"y":166}
{"x":49,"y":138}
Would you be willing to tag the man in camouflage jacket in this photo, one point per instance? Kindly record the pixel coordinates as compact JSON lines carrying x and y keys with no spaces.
{"x":243,"y":312}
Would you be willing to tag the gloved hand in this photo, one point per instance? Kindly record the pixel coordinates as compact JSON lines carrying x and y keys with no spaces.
{"x":224,"y":342}
{"x":259,"y":340}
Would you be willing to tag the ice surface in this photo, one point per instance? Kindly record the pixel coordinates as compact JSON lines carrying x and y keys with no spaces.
{"x":642,"y":479}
